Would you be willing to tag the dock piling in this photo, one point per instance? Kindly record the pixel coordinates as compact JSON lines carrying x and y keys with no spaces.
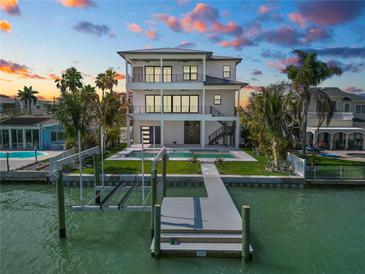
{"x":157,"y":231}
{"x":246,"y":219}
{"x":61,"y":204}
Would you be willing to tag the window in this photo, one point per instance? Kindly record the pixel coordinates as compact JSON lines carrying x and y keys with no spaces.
{"x":360,"y":108}
{"x":153,"y":103}
{"x":181,"y":103}
{"x":217,"y":99}
{"x":190,"y":73}
{"x":347,"y":107}
{"x":56,"y":136}
{"x":152,"y":74}
{"x":226,"y":71}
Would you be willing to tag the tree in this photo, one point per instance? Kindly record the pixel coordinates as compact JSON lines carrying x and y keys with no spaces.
{"x":27,"y":95}
{"x":306,"y":73}
{"x":269,"y":118}
{"x":106,"y":80}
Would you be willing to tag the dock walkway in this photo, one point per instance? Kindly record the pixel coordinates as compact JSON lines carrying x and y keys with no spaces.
{"x":202,"y":225}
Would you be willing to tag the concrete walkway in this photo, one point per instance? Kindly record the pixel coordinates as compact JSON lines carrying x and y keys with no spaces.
{"x":215,"y":213}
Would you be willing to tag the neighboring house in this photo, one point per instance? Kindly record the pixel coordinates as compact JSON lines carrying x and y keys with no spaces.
{"x":182,"y":97}
{"x":26,"y":132}
{"x":8,"y":106}
{"x":125,"y":100}
{"x":40,"y":108}
{"x":347,"y":127}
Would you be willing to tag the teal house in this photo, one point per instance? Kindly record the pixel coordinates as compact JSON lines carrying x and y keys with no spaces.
{"x":30,"y":132}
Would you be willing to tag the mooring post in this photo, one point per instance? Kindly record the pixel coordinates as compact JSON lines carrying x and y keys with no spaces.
{"x":153,"y":197}
{"x":246,"y":211}
{"x":61,"y":204}
{"x":7,"y":162}
{"x":96,"y":177}
{"x":164,"y":170}
{"x":157,"y":234}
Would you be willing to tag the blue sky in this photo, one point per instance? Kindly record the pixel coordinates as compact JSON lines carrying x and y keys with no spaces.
{"x":40,"y":39}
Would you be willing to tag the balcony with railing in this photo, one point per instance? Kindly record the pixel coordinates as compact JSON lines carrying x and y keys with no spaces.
{"x":345,"y":116}
{"x":166,"y":78}
{"x":168,"y":109}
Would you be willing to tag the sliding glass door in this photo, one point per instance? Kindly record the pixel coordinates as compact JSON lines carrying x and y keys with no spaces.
{"x":181,"y":103}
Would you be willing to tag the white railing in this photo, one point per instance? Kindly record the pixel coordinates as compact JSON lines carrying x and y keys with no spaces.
{"x":336,"y":172}
{"x":53,"y":161}
{"x":336,"y":115}
{"x":297,"y":164}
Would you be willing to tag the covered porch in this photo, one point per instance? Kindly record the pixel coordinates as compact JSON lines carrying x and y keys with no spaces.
{"x":337,"y":138}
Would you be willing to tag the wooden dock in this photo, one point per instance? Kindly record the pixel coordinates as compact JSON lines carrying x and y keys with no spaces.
{"x":202,"y":226}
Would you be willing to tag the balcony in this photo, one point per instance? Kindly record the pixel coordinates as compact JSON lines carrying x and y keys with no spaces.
{"x":166,"y":78}
{"x":171,"y":110}
{"x":345,"y":116}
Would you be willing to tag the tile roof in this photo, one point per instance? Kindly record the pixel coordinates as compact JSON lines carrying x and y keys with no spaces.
{"x":336,"y":92}
{"x":219,"y":81}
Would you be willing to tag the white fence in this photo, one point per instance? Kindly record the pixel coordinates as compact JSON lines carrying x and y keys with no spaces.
{"x":336,"y":172}
{"x":297,"y":164}
{"x":53,"y":161}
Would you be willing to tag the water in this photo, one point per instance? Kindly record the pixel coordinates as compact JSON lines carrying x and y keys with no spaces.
{"x":184,"y":154}
{"x":294,"y":231}
{"x":21,"y":154}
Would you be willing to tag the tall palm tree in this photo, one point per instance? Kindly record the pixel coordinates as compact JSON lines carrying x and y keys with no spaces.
{"x":100,"y":83}
{"x":27,"y":95}
{"x":310,"y":72}
{"x":106,"y":80}
{"x":269,"y":119}
{"x":71,"y":81}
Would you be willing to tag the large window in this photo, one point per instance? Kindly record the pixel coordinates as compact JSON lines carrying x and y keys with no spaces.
{"x":152,"y":74}
{"x":181,"y":103}
{"x":4,"y":139}
{"x":226,"y":71}
{"x":56,"y":136}
{"x":190,"y":73}
{"x":360,"y":108}
{"x":153,"y":103}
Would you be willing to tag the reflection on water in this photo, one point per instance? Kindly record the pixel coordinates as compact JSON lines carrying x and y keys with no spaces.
{"x":294,"y":231}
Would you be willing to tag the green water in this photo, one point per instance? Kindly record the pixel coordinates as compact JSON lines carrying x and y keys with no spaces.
{"x":294,"y":231}
{"x":184,"y":154}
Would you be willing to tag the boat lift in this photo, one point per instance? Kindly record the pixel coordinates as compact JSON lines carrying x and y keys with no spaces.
{"x":104,"y":194}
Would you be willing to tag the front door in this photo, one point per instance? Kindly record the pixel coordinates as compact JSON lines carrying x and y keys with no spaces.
{"x":148,"y":133}
{"x":192,"y":132}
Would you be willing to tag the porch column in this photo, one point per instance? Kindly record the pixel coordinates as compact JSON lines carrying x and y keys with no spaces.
{"x":331,"y":141}
{"x":162,"y":129}
{"x":202,"y":133}
{"x":128,"y":125}
{"x":203,"y":102}
{"x":204,"y":70}
{"x":347,"y":141}
{"x":237,"y":134}
{"x":238,"y":102}
{"x":24,"y":139}
{"x":10,"y":139}
{"x":161,"y":101}
{"x":161,"y":72}
{"x":315,"y":137}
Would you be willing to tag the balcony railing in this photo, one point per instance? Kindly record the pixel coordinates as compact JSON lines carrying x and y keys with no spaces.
{"x":176,"y":110}
{"x":347,"y":116}
{"x":166,"y":78}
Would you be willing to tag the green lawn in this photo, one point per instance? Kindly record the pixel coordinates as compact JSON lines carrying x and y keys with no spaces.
{"x":133,"y":167}
{"x":325,"y":161}
{"x":248,"y":168}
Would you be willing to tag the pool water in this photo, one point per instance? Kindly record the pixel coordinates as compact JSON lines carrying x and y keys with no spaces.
{"x":184,"y":154}
{"x":21,"y":154}
{"x":294,"y":231}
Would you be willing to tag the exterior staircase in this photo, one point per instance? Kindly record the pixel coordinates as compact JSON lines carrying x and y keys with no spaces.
{"x":226,"y":130}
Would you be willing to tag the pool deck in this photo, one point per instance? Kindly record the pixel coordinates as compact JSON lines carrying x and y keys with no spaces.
{"x":16,"y":163}
{"x":240,"y":156}
{"x":210,"y":225}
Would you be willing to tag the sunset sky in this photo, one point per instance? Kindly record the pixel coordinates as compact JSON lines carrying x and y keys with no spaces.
{"x":40,"y":39}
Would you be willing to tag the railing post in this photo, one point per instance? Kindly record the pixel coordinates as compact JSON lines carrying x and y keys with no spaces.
{"x":164,"y":171}
{"x":246,"y":219}
{"x":157,"y":231}
{"x":153,"y":197}
{"x":61,"y":204}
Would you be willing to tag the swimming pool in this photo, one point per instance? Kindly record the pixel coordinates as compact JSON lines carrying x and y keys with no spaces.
{"x":185,"y":154}
{"x":21,"y":154}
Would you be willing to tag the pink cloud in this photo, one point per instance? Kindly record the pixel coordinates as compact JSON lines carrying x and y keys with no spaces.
{"x":297,"y":18}
{"x":236,"y":43}
{"x":5,"y":26}
{"x":77,"y":3}
{"x":230,"y":27}
{"x":316,"y":34}
{"x":10,"y":7}
{"x":151,"y":34}
{"x":186,"y":44}
{"x":282,"y":64}
{"x":20,"y":70}
{"x":134,"y":27}
{"x":170,"y":21}
{"x":263,"y":9}
{"x":354,"y":89}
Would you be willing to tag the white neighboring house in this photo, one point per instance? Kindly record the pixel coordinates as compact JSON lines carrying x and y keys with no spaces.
{"x":346,"y":130}
{"x":182,"y":97}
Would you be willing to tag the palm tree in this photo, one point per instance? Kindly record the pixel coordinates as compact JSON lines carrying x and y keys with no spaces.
{"x":269,"y":119}
{"x":309,"y":72}
{"x":71,"y":81}
{"x":100,"y":83}
{"x":27,"y":96}
{"x":106,"y":80}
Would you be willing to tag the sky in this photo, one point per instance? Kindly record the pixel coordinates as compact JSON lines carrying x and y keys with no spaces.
{"x":41,"y":38}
